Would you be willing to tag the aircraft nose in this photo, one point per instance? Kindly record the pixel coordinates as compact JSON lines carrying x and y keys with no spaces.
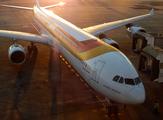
{"x":136,"y":96}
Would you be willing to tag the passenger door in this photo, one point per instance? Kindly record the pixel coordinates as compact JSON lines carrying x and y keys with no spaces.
{"x":97,"y":70}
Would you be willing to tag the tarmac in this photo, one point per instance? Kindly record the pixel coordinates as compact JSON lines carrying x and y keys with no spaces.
{"x":46,"y":87}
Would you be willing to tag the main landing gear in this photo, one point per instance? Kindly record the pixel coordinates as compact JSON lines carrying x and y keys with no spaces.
{"x":112,"y":108}
{"x":32,"y":48}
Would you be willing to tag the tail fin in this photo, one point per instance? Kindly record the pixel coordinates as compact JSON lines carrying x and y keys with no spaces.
{"x":37,"y":3}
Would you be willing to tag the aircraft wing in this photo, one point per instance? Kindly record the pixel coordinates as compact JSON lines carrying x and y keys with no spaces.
{"x":24,"y":36}
{"x":26,"y":8}
{"x":102,"y":28}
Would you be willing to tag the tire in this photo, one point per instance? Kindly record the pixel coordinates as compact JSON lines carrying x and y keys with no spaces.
{"x":109,"y":110}
{"x":115,"y":109}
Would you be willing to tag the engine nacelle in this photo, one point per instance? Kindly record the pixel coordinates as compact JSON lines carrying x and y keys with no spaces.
{"x":104,"y":38}
{"x":111,"y":42}
{"x":132,"y":29}
{"x":16,"y":54}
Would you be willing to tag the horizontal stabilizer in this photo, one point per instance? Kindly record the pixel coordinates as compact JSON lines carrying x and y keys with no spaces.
{"x":26,"y":8}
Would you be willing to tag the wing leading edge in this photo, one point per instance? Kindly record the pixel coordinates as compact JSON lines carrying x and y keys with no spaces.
{"x":24,"y":36}
{"x":19,"y":7}
{"x":102,"y":28}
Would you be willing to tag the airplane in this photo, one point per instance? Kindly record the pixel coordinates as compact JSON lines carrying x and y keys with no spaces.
{"x":92,"y":54}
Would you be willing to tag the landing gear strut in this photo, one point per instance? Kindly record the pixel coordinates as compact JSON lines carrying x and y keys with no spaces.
{"x":32,"y":48}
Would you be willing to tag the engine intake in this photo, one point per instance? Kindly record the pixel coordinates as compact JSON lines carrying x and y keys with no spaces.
{"x":113,"y":43}
{"x":132,"y":29}
{"x":16,"y":54}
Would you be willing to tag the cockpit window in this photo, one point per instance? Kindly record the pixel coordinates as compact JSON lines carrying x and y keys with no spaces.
{"x":137,"y":80}
{"x":121,"y":80}
{"x":116,"y":78}
{"x":129,"y":81}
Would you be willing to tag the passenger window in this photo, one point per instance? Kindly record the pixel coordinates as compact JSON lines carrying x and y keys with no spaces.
{"x":121,"y":80}
{"x":129,"y":81}
{"x":116,"y":78}
{"x":137,"y":80}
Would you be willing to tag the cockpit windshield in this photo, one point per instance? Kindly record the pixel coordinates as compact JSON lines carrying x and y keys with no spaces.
{"x":137,"y":80}
{"x":128,"y":81}
{"x":116,"y":78}
{"x":121,"y":80}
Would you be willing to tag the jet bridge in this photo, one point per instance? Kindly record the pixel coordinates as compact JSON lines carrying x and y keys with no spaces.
{"x":142,"y":39}
{"x":151,"y":60}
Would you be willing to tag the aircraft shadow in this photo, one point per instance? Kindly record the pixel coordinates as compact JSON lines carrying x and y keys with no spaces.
{"x":24,"y":76}
{"x":54,"y":78}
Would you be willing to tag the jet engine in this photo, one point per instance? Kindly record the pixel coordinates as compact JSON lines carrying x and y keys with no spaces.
{"x":111,"y":42}
{"x":104,"y":38}
{"x":132,"y":29}
{"x":16,"y":54}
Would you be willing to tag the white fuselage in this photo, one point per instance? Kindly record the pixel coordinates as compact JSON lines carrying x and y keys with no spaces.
{"x":96,"y":61}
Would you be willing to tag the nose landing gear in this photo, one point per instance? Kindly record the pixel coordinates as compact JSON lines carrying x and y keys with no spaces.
{"x":112,"y":108}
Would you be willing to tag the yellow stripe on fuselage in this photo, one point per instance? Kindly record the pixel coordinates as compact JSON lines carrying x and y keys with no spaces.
{"x":96,"y":52}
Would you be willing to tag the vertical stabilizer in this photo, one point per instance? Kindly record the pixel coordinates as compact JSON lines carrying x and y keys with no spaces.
{"x":37,"y":3}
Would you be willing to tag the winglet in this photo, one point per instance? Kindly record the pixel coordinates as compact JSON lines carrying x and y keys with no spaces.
{"x":152,"y":12}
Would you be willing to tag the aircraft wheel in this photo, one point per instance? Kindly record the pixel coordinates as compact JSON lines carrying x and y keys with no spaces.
{"x":115,"y":109}
{"x":109,"y":110}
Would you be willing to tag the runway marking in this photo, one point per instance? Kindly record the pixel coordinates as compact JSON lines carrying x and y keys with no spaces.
{"x":93,"y":102}
{"x":72,"y":70}
{"x":85,"y":2}
{"x":77,"y":75}
{"x":93,"y":1}
{"x":86,"y":85}
{"x":31,"y":23}
{"x":91,"y":91}
{"x":81,"y":79}
{"x":72,"y":100}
